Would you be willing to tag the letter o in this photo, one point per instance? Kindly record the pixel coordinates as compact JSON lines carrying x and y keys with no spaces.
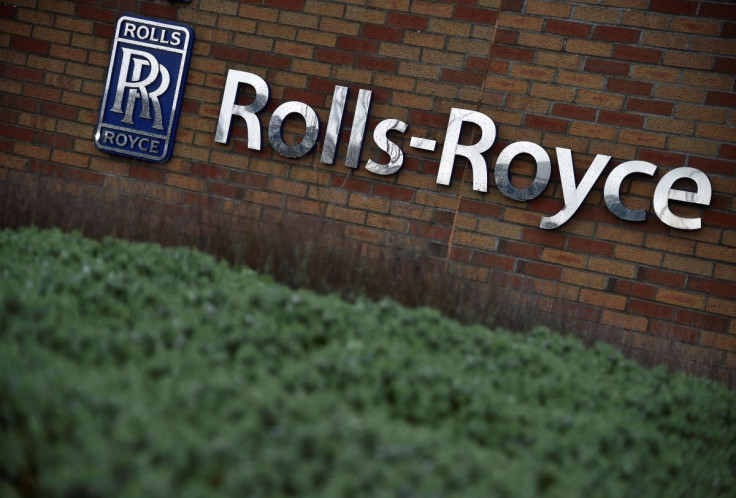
{"x":310,"y":135}
{"x":541,"y":180}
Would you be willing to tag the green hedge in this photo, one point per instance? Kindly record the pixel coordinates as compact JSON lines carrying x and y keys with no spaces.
{"x":131,"y":370}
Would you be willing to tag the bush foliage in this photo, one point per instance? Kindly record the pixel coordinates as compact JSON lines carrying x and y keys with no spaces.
{"x":131,"y":370}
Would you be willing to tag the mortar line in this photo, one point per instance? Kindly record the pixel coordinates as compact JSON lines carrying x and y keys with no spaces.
{"x":478,"y":105}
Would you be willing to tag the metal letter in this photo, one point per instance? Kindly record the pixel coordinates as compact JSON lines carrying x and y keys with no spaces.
{"x":394,"y":151}
{"x":612,"y":189}
{"x":310,"y":134}
{"x":138,"y":88}
{"x":572,"y":194}
{"x":544,"y":170}
{"x":358,"y":131}
{"x":664,"y":193}
{"x":228,"y":108}
{"x":474,"y":153}
{"x":329,"y":146}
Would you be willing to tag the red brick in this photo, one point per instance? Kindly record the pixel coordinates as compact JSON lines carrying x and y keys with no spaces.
{"x":311,"y":98}
{"x":661,"y":157}
{"x":350,"y":183}
{"x":16,"y":132}
{"x":652,"y":310}
{"x":576,"y":112}
{"x":286,"y":4}
{"x":250,"y":179}
{"x":230,"y":53}
{"x":30,"y":45}
{"x":462,"y":77}
{"x":407,"y":21}
{"x":616,"y":34}
{"x":491,"y":260}
{"x":661,"y":277}
{"x":637,"y":54}
{"x":721,"y":99}
{"x":201,"y":200}
{"x":633,"y":289}
{"x":96,"y":13}
{"x":650,"y":106}
{"x":106,"y":31}
{"x":146,"y":173}
{"x":712,"y":287}
{"x":55,"y":140}
{"x":224,"y":190}
{"x":729,"y":30}
{"x":476,"y":15}
{"x":7,"y":11}
{"x":428,"y":119}
{"x":725,"y":65}
{"x":512,"y":53}
{"x":541,"y":270}
{"x":672,"y":331}
{"x":480,"y":208}
{"x":512,"y":5}
{"x":382,"y":33}
{"x":507,"y":36}
{"x":717,"y":10}
{"x":429,"y":231}
{"x":728,"y":151}
{"x":605,"y":66}
{"x":159,"y":10}
{"x":702,"y":320}
{"x":270,"y":60}
{"x":355,"y":44}
{"x":681,"y":7}
{"x":209,"y":171}
{"x":334,"y":56}
{"x":378,"y":63}
{"x":590,"y":246}
{"x":85,"y":176}
{"x":46,"y":169}
{"x":568,"y":28}
{"x":24,"y":74}
{"x":545,"y":123}
{"x":620,"y":118}
{"x":520,"y":249}
{"x":393,"y":192}
{"x":629,"y":87}
{"x":546,"y":238}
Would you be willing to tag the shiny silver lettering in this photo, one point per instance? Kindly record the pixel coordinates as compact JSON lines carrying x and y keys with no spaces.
{"x":329,"y":146}
{"x":310,"y":134}
{"x":228,"y":108}
{"x":396,"y":156}
{"x":541,"y":179}
{"x":612,"y":189}
{"x":357,"y":133}
{"x":665,"y":193}
{"x":474,"y":153}
{"x":573,"y":195}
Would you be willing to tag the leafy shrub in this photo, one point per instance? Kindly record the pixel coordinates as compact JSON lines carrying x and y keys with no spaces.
{"x":131,"y":370}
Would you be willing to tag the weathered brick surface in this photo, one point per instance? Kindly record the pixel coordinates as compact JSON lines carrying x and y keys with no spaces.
{"x":637,"y":80}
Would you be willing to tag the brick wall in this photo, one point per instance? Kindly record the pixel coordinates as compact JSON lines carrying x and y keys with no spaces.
{"x":650,"y":80}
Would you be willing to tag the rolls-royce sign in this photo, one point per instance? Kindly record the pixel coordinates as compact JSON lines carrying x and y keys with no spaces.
{"x":144,"y":88}
{"x":574,"y":193}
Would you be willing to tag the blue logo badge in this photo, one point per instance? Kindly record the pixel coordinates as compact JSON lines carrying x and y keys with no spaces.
{"x":144,"y":88}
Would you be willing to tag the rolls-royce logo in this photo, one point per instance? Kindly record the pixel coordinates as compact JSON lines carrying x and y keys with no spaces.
{"x":144,"y":88}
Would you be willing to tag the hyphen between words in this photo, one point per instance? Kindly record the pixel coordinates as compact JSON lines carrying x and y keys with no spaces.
{"x":573,"y":194}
